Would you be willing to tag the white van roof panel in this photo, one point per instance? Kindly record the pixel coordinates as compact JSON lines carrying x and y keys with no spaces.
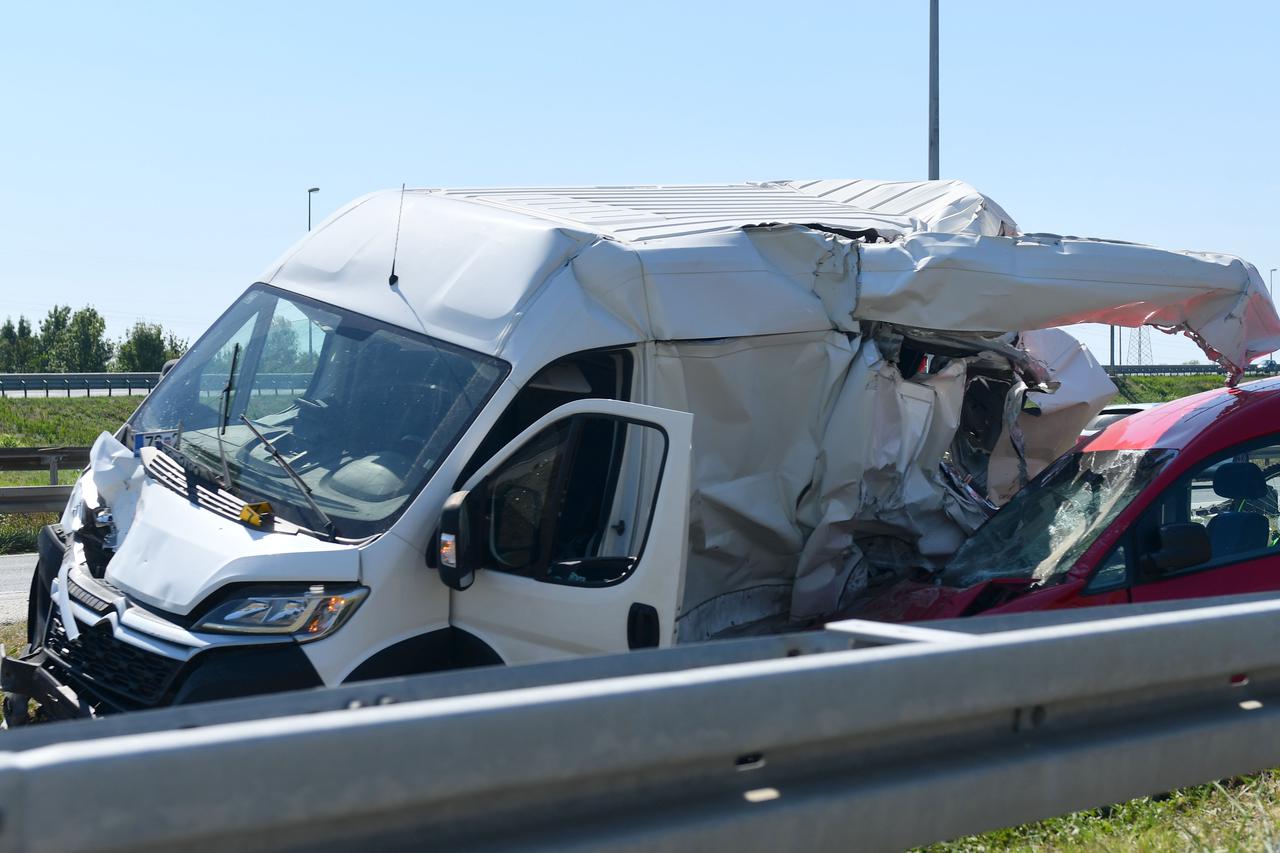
{"x":642,"y":213}
{"x":586,"y":267}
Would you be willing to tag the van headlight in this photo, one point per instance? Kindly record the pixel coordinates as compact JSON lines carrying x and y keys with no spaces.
{"x":307,"y":616}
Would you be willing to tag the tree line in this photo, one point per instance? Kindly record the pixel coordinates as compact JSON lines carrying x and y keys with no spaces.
{"x":76,"y":342}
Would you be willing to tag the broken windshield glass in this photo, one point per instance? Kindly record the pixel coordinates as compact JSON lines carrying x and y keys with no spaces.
{"x":1043,"y":530}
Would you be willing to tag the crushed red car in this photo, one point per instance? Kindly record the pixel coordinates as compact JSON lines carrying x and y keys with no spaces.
{"x":1179,"y":501}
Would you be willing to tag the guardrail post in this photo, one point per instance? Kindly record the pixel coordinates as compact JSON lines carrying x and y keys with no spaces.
{"x":24,"y":388}
{"x":52,"y":459}
{"x":67,"y":382}
{"x":45,"y":383}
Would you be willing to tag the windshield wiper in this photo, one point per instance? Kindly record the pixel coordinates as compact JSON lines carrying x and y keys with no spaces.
{"x":226,"y":415}
{"x":293,"y":475}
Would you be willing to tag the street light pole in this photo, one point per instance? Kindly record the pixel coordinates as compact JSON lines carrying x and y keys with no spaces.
{"x":933,"y":90}
{"x":309,"y":193}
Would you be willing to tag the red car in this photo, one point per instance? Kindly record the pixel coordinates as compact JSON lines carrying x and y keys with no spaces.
{"x":1175,"y":502}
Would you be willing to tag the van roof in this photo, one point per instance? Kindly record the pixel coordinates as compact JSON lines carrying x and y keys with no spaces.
{"x":593,"y":267}
{"x":642,"y":213}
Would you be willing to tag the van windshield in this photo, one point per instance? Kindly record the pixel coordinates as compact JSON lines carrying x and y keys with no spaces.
{"x":361,"y":410}
{"x":1041,"y":532}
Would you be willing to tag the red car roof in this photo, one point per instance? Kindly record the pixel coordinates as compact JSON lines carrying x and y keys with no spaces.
{"x":1238,"y":413}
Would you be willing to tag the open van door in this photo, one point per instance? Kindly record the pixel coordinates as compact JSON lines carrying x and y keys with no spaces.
{"x":573,"y":537}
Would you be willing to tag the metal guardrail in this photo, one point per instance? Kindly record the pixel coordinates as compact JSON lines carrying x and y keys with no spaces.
{"x":71,"y":384}
{"x":43,"y":458}
{"x":1256,"y":369}
{"x":24,"y":500}
{"x":64,"y":384}
{"x":861,"y":736}
{"x":19,"y":500}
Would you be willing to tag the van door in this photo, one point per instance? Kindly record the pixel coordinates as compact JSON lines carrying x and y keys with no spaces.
{"x":582,"y":529}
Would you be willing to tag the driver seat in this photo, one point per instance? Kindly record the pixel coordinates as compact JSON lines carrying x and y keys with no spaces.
{"x":1239,"y":531}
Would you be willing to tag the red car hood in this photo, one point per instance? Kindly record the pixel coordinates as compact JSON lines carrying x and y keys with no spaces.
{"x":913,"y":601}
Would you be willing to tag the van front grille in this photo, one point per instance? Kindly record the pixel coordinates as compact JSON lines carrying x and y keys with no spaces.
{"x":100,"y":660}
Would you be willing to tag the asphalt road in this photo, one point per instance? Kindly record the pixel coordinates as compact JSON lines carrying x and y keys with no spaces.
{"x":15,"y":583}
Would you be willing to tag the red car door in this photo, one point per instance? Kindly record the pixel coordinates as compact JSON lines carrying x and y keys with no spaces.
{"x":1234,"y":495}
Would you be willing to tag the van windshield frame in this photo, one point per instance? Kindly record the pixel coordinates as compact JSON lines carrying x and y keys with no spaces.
{"x":363,"y":410}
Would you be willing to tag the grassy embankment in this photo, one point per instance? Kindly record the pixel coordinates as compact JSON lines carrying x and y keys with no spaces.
{"x":41,"y":422}
{"x":1161,"y":389}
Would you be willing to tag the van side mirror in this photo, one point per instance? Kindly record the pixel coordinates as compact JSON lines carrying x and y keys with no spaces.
{"x":1182,"y":545}
{"x":167,"y":366}
{"x":456,"y":557}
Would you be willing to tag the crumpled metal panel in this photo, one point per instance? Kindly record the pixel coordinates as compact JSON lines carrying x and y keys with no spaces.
{"x":942,"y":206}
{"x":808,"y":438}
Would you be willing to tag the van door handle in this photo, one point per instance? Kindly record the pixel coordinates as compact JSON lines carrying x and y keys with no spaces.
{"x":643,"y":627}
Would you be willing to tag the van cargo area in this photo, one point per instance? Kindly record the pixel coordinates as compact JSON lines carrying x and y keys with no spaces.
{"x":454,"y":427}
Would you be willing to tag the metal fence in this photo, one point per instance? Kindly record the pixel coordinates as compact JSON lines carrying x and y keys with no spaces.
{"x":67,"y":384}
{"x":50,"y":498}
{"x":861,"y":736}
{"x":1256,"y":369}
{"x":110,"y":384}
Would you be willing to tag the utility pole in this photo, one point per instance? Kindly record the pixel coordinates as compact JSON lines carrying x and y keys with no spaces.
{"x":1111,"y":333}
{"x":310,"y":192}
{"x":1271,"y":291}
{"x":933,"y":90}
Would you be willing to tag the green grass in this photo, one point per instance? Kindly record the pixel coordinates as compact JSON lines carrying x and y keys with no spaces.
{"x":1235,"y":814}
{"x":71,"y":421}
{"x":14,"y":638}
{"x":18,"y":532}
{"x":1161,"y":389}
{"x":41,"y":422}
{"x":37,"y":478}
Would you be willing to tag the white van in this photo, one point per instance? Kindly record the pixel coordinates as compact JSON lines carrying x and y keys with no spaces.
{"x":462,"y":427}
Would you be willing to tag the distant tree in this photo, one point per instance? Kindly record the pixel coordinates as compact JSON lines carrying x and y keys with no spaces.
{"x":281,"y":353}
{"x":146,"y":348}
{"x":8,"y":345}
{"x":83,"y":346}
{"x":50,"y":345}
{"x":26,"y":348}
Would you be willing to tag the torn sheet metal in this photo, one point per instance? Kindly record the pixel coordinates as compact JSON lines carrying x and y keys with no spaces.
{"x":966,"y":283}
{"x":1050,"y":423}
{"x":756,"y":434}
{"x":114,"y":483}
{"x":117,"y":477}
{"x":879,"y":475}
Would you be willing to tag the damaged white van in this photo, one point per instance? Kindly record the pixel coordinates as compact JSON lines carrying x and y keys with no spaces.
{"x":475,"y":426}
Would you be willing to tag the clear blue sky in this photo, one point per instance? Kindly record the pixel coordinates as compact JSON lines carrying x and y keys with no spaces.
{"x":156,"y":156}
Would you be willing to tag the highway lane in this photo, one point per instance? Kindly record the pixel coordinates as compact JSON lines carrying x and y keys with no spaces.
{"x":15,"y":583}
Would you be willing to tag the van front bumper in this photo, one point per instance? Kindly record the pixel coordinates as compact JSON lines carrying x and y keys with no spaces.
{"x":28,"y":677}
{"x":110,"y":679}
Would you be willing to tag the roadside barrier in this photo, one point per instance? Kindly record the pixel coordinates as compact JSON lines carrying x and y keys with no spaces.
{"x":860,"y":736}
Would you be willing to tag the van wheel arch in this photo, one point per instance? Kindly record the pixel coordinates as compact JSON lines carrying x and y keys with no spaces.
{"x":434,"y":651}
